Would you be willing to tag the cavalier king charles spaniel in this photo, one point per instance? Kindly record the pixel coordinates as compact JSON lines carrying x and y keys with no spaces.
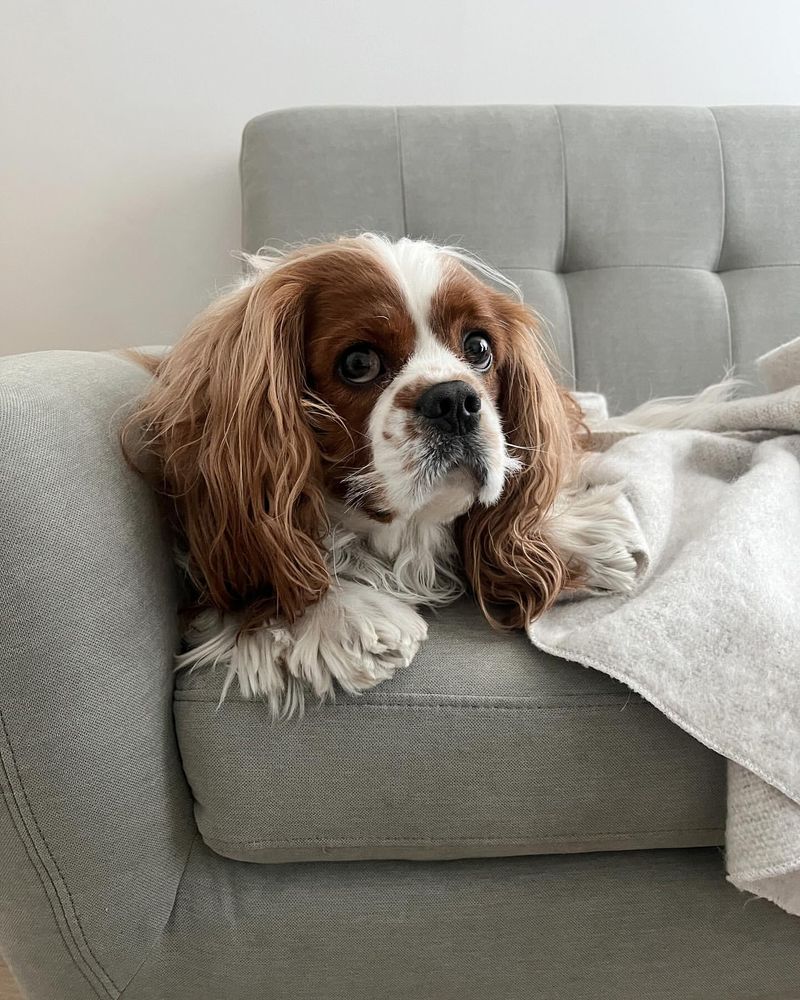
{"x":362,"y":428}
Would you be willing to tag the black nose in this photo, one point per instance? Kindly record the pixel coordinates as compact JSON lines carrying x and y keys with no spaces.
{"x":452,"y":407}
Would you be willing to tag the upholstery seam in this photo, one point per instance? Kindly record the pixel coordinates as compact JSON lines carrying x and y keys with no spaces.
{"x":241,"y":183}
{"x":563,"y":254}
{"x":401,"y":169}
{"x":731,"y":361}
{"x":760,"y":267}
{"x":16,"y":818}
{"x":388,"y":841}
{"x":570,"y":330}
{"x":565,"y":216}
{"x":619,"y":705}
{"x":160,"y":937}
{"x":42,"y":854}
{"x":724,"y":189}
{"x":662,"y":267}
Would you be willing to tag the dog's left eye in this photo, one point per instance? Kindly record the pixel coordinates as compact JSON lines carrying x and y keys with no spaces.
{"x":478,"y":350}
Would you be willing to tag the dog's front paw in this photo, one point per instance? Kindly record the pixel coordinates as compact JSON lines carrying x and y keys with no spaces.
{"x":598,"y":535}
{"x":614,"y":568}
{"x":612,"y":546}
{"x":354,"y":637}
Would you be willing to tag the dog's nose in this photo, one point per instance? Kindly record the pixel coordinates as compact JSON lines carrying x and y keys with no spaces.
{"x":451,"y":407}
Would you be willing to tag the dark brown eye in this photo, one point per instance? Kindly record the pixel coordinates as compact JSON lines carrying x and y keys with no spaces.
{"x":360,"y":364}
{"x":478,"y":350}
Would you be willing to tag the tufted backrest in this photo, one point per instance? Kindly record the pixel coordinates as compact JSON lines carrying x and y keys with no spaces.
{"x":660,"y":244}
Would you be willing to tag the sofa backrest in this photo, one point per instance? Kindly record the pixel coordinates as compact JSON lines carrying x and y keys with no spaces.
{"x":659,"y":244}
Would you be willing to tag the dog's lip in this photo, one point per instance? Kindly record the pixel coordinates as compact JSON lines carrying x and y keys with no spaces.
{"x":471,"y":460}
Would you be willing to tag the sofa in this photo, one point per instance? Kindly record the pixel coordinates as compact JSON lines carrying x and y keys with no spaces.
{"x":491,"y":824}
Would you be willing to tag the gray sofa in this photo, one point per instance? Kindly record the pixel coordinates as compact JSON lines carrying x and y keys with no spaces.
{"x":491,"y":824}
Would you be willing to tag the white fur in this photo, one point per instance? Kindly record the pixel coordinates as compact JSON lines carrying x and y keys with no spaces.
{"x":592,"y":528}
{"x":356,"y":636}
{"x":699,"y":412}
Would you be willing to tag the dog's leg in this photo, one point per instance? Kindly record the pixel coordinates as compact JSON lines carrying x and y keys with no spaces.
{"x":593,"y":530}
{"x":354,"y":637}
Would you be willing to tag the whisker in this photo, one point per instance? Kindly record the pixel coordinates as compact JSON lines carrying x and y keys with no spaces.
{"x":522,"y":447}
{"x":349,"y":456}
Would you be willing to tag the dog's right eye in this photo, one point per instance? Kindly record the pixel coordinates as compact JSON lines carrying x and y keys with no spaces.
{"x":360,"y":364}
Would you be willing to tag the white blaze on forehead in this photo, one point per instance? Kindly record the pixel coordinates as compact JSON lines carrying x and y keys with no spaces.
{"x":417,"y":268}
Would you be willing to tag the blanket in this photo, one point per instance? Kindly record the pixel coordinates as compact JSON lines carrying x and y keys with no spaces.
{"x":711,"y":633}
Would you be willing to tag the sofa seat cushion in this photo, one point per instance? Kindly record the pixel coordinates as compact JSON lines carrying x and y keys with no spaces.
{"x":483,"y":746}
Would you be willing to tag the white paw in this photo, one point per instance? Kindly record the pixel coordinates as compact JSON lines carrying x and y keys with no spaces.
{"x":597,"y":533}
{"x":611,"y":548}
{"x":354,"y":638}
{"x":613,"y":569}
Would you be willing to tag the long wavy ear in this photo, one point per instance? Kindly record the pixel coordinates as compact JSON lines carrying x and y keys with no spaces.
{"x":227,"y":424}
{"x":514,"y":572}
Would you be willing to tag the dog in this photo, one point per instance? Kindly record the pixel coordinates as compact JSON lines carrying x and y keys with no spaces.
{"x":366,"y":427}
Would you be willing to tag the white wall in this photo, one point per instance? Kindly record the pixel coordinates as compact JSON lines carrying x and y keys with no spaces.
{"x":121,"y":118}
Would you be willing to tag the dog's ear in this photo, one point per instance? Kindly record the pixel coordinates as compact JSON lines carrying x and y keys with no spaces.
{"x":514,"y":572}
{"x":228,"y":424}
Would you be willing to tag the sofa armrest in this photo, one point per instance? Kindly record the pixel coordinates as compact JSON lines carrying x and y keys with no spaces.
{"x":95,"y":815}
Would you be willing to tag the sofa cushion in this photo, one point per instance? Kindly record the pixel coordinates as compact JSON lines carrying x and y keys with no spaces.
{"x":483,"y":746}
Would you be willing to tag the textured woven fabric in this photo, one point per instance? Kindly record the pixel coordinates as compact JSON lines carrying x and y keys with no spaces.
{"x":640,"y":925}
{"x":96,"y":825}
{"x":715,"y":606}
{"x":481,"y":747}
{"x":659,"y":244}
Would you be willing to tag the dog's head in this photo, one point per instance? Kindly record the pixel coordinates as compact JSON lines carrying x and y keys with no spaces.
{"x":388,"y":376}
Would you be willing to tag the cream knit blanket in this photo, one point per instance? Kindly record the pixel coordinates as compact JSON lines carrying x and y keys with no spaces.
{"x":711,"y":634}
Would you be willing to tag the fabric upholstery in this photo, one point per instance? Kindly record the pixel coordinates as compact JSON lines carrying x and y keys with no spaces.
{"x":639,"y":925}
{"x":642,"y":235}
{"x":96,"y":825}
{"x":481,"y":747}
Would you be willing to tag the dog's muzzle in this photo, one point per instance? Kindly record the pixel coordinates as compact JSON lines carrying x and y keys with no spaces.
{"x":449,"y":414}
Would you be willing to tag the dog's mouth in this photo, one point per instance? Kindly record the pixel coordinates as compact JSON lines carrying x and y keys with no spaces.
{"x":466,"y":467}
{"x":444,"y":454}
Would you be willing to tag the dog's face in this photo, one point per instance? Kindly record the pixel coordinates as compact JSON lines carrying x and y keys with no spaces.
{"x":385,"y":375}
{"x":407,"y":349}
